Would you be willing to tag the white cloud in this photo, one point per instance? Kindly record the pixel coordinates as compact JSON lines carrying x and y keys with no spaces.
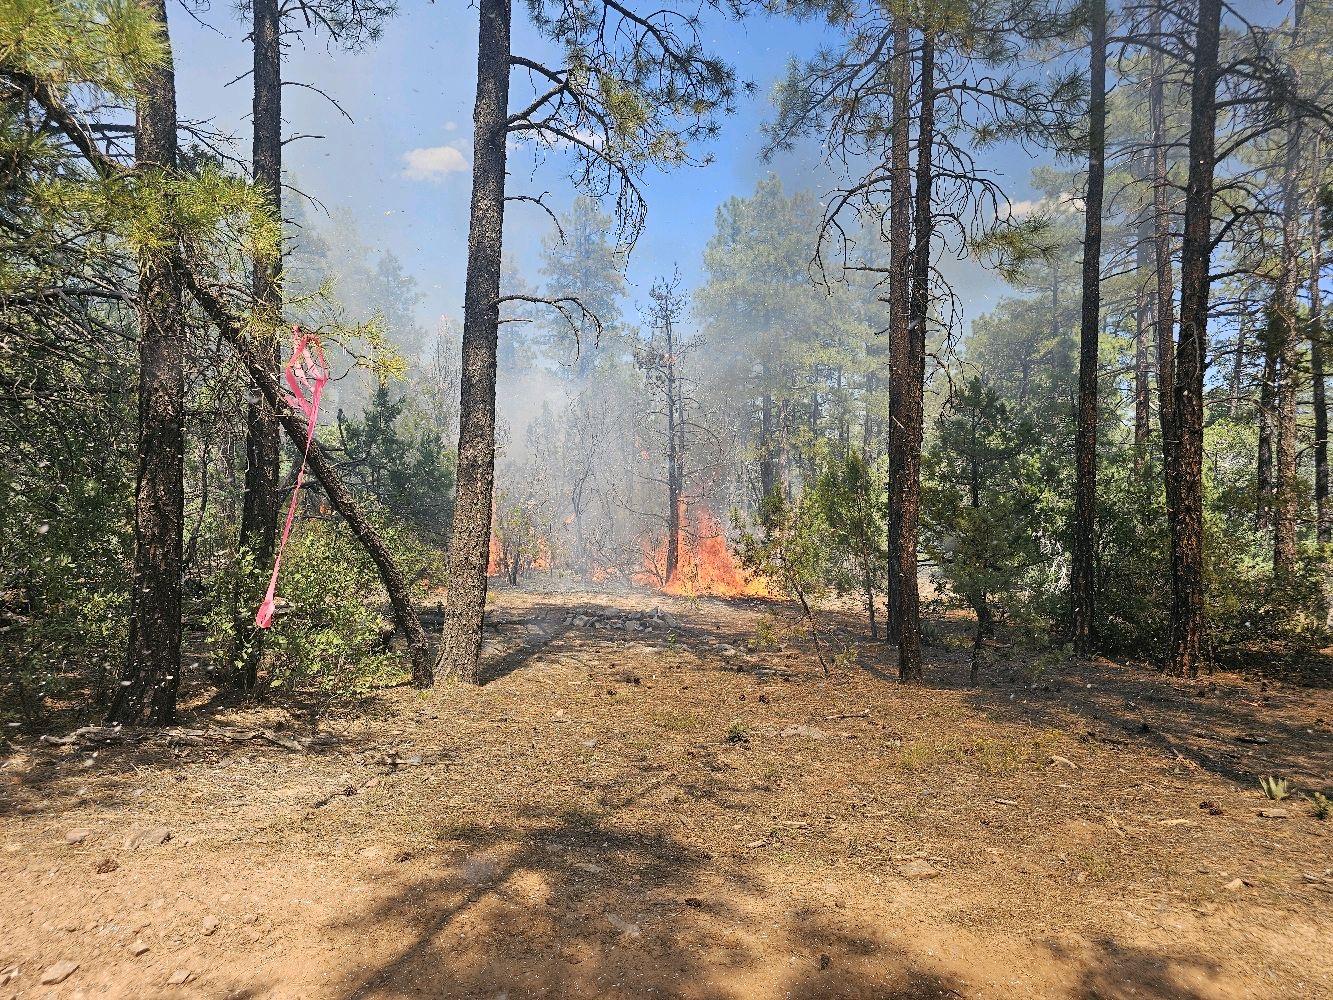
{"x":433,"y":163}
{"x":451,"y":126}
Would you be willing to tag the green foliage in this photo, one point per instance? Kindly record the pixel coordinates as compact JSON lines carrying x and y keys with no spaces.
{"x":332,"y":635}
{"x":981,"y":502}
{"x":1320,"y":806}
{"x":395,"y":459}
{"x":1274,"y":788}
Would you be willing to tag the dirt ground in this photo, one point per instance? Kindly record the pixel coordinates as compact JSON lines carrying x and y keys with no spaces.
{"x":647,"y":807}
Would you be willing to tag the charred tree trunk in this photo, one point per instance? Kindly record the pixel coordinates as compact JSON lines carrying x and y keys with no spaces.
{"x":1323,"y":516}
{"x":1085,"y":448}
{"x":1163,"y":298}
{"x":259,"y":508}
{"x":1187,"y":610}
{"x":261,"y":375}
{"x":151,"y":674}
{"x":469,"y":542}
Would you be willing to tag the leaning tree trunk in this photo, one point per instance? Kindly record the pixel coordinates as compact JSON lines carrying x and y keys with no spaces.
{"x":469,"y":542}
{"x":259,"y":508}
{"x":1084,"y":580}
{"x":151,"y":674}
{"x":1319,"y":389}
{"x":260,"y":373}
{"x":1187,"y":607}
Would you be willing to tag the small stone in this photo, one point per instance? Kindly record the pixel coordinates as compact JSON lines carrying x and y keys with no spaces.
{"x":621,"y":924}
{"x":917,"y":870}
{"x":58,"y":973}
{"x":180,"y":977}
{"x":589,"y":867}
{"x":107,"y":865}
{"x":1235,"y":885}
{"x":152,"y":837}
{"x":209,"y":925}
{"x":1274,"y":813}
{"x":138,"y":947}
{"x":76,"y":837}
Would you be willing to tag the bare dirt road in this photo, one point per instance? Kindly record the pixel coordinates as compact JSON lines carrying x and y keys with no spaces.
{"x":639,"y":804}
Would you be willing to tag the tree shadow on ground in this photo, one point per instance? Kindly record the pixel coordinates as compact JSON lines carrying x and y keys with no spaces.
{"x":1107,"y":969}
{"x":573,"y":905}
{"x":1231,"y":727}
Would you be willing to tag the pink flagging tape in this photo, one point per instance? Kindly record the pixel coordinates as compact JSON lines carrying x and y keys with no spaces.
{"x":306,"y":374}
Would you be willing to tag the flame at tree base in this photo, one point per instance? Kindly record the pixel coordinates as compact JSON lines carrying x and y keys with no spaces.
{"x":704,"y":563}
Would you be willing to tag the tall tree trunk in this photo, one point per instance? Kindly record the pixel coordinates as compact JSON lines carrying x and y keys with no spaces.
{"x":1323,"y":515}
{"x":469,"y":542}
{"x":260,"y":373}
{"x":1187,"y":607}
{"x":259,"y":509}
{"x":1163,"y":298}
{"x":912,"y":409}
{"x":151,"y":674}
{"x":1085,"y":440}
{"x":904,"y":383}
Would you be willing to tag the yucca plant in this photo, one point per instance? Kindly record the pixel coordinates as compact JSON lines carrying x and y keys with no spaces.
{"x":1275,"y":788}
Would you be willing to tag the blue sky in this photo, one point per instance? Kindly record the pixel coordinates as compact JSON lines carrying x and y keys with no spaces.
{"x":401,"y":167}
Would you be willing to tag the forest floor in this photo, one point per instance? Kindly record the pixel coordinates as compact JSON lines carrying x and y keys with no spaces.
{"x":637,"y":804}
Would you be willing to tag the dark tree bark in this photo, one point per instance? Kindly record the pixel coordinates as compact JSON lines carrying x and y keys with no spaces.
{"x":904,"y":385}
{"x":1187,"y":610}
{"x":1084,"y":582}
{"x":261,"y":376}
{"x":259,"y":508}
{"x":911,"y":404}
{"x":151,"y":674}
{"x":469,"y":542}
{"x":1319,"y":389}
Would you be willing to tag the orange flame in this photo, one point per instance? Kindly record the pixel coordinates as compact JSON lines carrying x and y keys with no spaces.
{"x":704,"y":563}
